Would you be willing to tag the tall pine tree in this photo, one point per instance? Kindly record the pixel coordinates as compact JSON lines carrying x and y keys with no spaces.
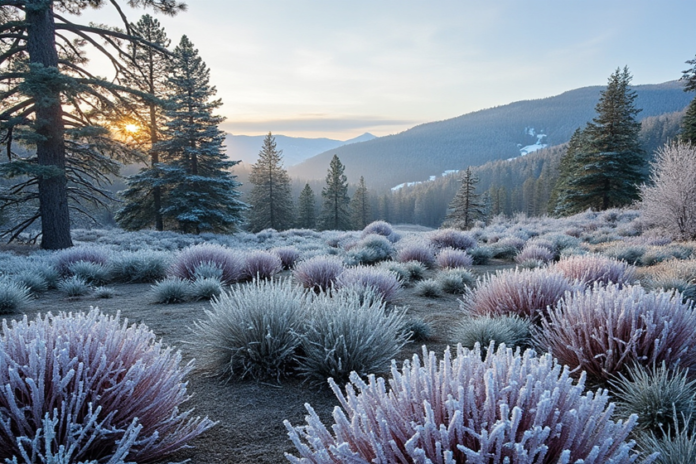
{"x":335,"y":213}
{"x":143,"y":197}
{"x":688,"y":126}
{"x":270,"y":200}
{"x":607,"y":168}
{"x":306,"y":209}
{"x":201,"y":194}
{"x":466,"y":207}
{"x":360,"y":206}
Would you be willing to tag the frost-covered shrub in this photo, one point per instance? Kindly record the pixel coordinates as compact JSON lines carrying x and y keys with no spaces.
{"x":417,"y":330}
{"x":673,"y":448}
{"x":252,"y":330}
{"x":345,"y":334}
{"x":513,"y":331}
{"x":561,"y":241}
{"x":593,"y":268}
{"x":429,"y":288}
{"x":35,"y":282}
{"x":143,"y":266}
{"x":507,"y":408}
{"x":92,"y":273}
{"x":106,"y":391}
{"x":416,"y":270}
{"x":206,"y":288}
{"x":452,"y":238}
{"x":207,"y":271}
{"x":481,"y":254}
{"x":74,"y":286}
{"x":654,"y":394}
{"x":66,"y":258}
{"x":261,"y":264}
{"x":14,"y":297}
{"x":449,"y":258}
{"x":687,"y":290}
{"x":171,"y":290}
{"x":399,"y":270}
{"x":455,"y":281}
{"x":185,"y":264}
{"x":605,"y":330}
{"x":525,"y":293}
{"x":370,"y":250}
{"x":629,"y":253}
{"x":421,"y":252}
{"x":288,"y":256}
{"x":104,"y":292}
{"x":507,"y":248}
{"x":319,"y":272}
{"x":379,"y":228}
{"x":534,"y":253}
{"x":384,"y":282}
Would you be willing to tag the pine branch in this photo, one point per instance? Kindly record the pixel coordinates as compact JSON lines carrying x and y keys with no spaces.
{"x":75,"y":28}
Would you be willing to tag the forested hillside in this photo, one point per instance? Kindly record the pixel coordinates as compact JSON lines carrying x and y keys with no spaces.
{"x":477,"y":138}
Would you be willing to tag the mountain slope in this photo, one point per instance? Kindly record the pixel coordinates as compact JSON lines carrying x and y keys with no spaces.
{"x":476,"y":138}
{"x":295,"y":149}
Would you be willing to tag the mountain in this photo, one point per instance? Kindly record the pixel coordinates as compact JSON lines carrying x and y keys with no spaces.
{"x":476,"y":138}
{"x":295,"y":149}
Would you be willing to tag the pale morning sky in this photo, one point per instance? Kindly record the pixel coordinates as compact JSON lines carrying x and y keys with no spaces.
{"x":326,"y":68}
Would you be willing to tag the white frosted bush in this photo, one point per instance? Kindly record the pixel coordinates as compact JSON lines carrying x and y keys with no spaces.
{"x":507,"y":408}
{"x":88,"y":385}
{"x":92,"y":273}
{"x":14,"y":297}
{"x":533,"y":252}
{"x":590,"y":269}
{"x":512,"y":331}
{"x":206,"y":288}
{"x":319,"y":272}
{"x":384,"y":282}
{"x":252,"y":330}
{"x":349,"y":333}
{"x":74,"y":286}
{"x":171,"y":291}
{"x":143,"y":266}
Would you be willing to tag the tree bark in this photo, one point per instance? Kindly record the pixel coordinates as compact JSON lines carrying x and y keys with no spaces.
{"x":50,"y":146}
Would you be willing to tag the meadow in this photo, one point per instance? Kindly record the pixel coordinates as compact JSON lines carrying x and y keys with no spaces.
{"x":269,"y":317}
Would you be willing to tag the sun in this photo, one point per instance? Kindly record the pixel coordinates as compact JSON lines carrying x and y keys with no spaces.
{"x":132,"y":128}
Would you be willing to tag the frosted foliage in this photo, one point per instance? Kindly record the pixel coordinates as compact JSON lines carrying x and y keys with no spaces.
{"x":507,"y":408}
{"x":384,"y":282}
{"x":605,"y":330}
{"x":534,"y":253}
{"x":88,"y":386}
{"x":669,"y":201}
{"x":590,"y":269}
{"x":229,"y":262}
{"x":318,"y":273}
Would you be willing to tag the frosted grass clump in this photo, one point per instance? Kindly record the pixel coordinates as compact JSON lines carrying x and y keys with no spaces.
{"x":370,"y":250}
{"x":450,"y":258}
{"x":348,"y":333}
{"x":421,"y":252}
{"x":319,"y":272}
{"x":105,"y":292}
{"x":36,"y":283}
{"x":534,"y":253}
{"x":288,"y":256}
{"x":385,"y":283}
{"x":252,"y":331}
{"x":512,"y":331}
{"x":526,"y":293}
{"x":109,"y":391}
{"x":14,"y":297}
{"x":632,"y":254}
{"x":66,"y":258}
{"x":205,"y":288}
{"x":74,"y":286}
{"x":654,"y":393}
{"x":481,"y":254}
{"x":673,"y":448}
{"x":417,"y":330}
{"x":455,"y":281}
{"x":229,"y":262}
{"x":92,"y":273}
{"x":593,"y":268}
{"x":261,"y":265}
{"x":507,"y":408}
{"x":429,"y":288}
{"x":143,"y":266}
{"x":605,"y":330}
{"x":379,"y":228}
{"x":452,"y":238}
{"x":171,"y":290}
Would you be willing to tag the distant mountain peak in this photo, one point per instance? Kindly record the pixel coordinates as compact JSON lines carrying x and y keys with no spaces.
{"x":361,"y":138}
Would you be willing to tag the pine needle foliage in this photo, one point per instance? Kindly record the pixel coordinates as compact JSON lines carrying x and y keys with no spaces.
{"x":360,"y":212}
{"x":306,"y":209}
{"x":270,"y":199}
{"x":466,"y":207}
{"x":335,"y":213}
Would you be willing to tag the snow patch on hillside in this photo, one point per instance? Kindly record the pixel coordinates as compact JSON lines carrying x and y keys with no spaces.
{"x":449,"y":172}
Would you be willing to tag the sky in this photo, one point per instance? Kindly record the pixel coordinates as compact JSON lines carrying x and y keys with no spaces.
{"x":337,"y":69}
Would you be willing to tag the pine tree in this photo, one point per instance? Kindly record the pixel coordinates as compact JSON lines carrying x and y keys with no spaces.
{"x":335,"y":214}
{"x":606,"y":169}
{"x":465,"y":207}
{"x":270,"y":199}
{"x":360,"y":206}
{"x":306,"y":217}
{"x":688,"y":126}
{"x":45,"y":96}
{"x":201,"y":194}
{"x":149,"y":73}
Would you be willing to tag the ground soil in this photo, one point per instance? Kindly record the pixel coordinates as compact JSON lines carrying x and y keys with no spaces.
{"x":250,"y":413}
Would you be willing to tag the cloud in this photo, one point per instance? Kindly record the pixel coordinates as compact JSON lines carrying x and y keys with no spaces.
{"x":315,"y":123}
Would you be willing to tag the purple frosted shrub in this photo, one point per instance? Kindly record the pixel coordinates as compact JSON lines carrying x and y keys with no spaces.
{"x":525,"y":293}
{"x":379,"y":228}
{"x":105,"y":390}
{"x":607,"y":329}
{"x":509,"y":407}
{"x":319,"y":272}
{"x":66,"y":258}
{"x":261,"y":264}
{"x":452,"y":238}
{"x":421,"y":252}
{"x":230,"y":263}
{"x":288,"y":256}
{"x":534,"y":253}
{"x":383,"y":282}
{"x":450,"y":258}
{"x":591,"y":269}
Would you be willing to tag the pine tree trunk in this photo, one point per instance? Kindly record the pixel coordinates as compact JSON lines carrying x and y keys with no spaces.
{"x":154,"y":159}
{"x":50,"y":146}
